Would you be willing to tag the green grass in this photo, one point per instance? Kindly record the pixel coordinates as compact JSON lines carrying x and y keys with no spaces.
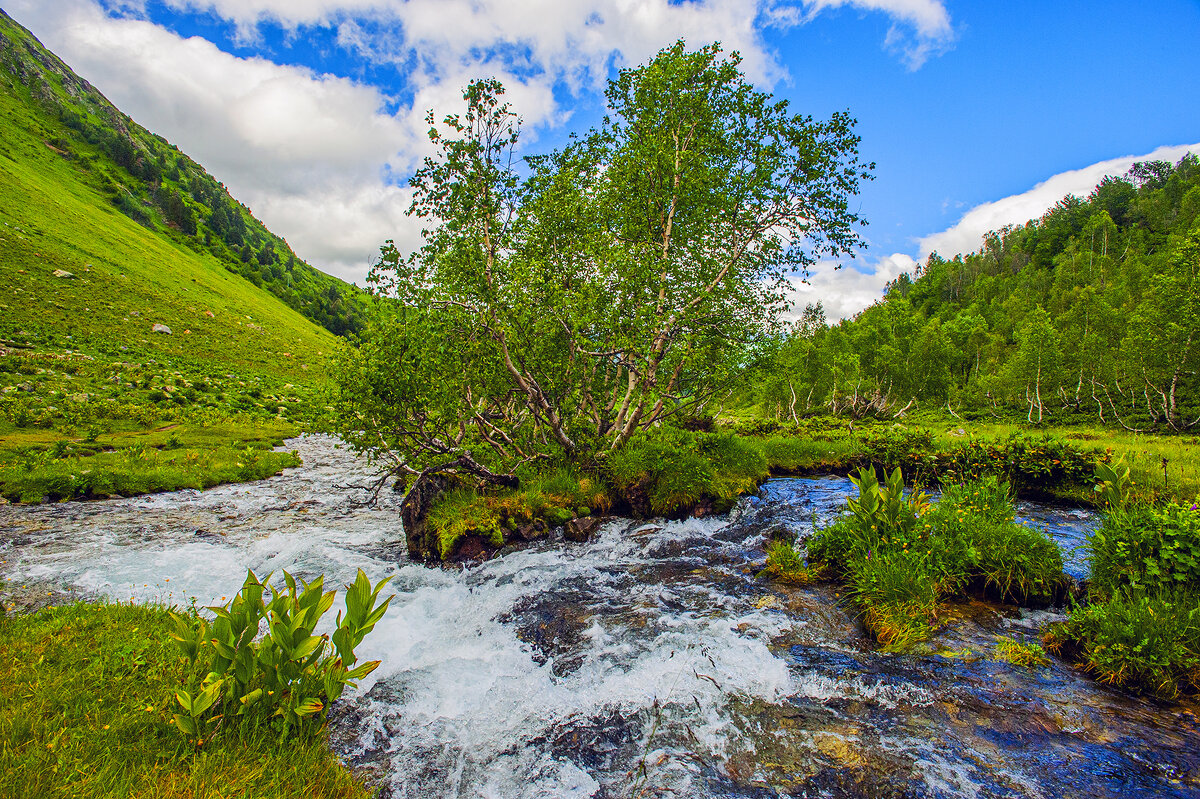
{"x":785,"y":564}
{"x":85,"y":386}
{"x":1145,"y":642}
{"x":86,"y":712}
{"x":900,"y":558}
{"x":142,"y":462}
{"x":668,"y":472}
{"x":1028,"y":654}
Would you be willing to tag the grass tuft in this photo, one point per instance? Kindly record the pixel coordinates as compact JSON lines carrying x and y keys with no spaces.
{"x":1029,"y":654}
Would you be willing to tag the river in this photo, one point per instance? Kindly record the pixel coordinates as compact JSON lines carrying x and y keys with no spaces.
{"x":650,"y":661}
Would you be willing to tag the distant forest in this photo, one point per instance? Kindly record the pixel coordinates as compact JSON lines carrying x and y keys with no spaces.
{"x":152,"y":182}
{"x":1090,"y":313}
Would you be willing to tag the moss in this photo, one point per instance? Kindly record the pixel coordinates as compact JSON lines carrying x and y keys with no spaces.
{"x":462,"y":512}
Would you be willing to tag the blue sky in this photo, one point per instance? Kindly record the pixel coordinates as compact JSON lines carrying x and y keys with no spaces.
{"x":976,"y":113}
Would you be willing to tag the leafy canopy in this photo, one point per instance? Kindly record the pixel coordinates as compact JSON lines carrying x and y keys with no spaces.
{"x":556,"y":309}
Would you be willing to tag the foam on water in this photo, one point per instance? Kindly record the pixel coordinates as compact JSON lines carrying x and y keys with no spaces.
{"x":649,"y":661}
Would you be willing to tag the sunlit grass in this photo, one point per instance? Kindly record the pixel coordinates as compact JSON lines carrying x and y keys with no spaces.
{"x":85,"y":711}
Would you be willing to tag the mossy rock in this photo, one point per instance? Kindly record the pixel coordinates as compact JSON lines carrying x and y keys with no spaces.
{"x":559,"y":516}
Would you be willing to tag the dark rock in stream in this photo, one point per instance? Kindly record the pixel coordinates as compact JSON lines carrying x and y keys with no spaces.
{"x":422,"y":541}
{"x":580,"y":530}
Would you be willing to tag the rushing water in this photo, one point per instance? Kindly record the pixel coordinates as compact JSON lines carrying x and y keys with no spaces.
{"x":650,"y":661}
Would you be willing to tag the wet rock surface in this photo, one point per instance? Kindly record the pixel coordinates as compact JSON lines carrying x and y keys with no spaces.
{"x":649,"y":660}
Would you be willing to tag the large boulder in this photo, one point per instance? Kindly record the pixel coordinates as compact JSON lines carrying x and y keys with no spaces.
{"x":425,"y":491}
{"x":159,"y":327}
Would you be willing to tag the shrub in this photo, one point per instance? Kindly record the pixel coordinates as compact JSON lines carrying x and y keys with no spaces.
{"x":288,"y":675}
{"x":882,"y":516}
{"x":900,"y":556}
{"x":1146,"y":642}
{"x":1141,"y":546}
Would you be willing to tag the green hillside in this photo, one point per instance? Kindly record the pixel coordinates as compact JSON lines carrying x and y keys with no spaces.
{"x":1089,"y":314}
{"x":148,"y":180}
{"x":89,"y":266}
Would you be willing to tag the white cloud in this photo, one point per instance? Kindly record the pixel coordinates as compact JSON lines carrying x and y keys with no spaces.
{"x":966,"y":236}
{"x":920,"y":28}
{"x":310,"y":153}
{"x":847,"y":290}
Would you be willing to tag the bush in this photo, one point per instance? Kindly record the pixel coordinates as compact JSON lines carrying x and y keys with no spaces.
{"x":1146,"y":642}
{"x":1145,"y":547}
{"x":976,"y":539}
{"x":900,"y":556}
{"x":288,"y":675}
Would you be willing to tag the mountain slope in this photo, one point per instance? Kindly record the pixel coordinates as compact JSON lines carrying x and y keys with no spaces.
{"x":57,"y":213}
{"x":150,"y":182}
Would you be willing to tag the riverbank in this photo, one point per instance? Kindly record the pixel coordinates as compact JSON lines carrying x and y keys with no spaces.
{"x":674,"y":474}
{"x":87,"y":711}
{"x":562,"y":669}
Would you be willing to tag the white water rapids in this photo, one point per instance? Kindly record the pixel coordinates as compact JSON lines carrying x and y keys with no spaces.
{"x":650,"y":661}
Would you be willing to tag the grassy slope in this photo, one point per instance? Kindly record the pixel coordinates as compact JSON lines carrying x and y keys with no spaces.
{"x":52,"y":216}
{"x":77,"y":354}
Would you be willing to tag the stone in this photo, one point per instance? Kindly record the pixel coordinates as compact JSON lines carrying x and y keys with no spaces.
{"x":159,"y":327}
{"x":421,"y":540}
{"x":209,"y":314}
{"x":62,"y":273}
{"x":530,"y":532}
{"x":581,"y":529}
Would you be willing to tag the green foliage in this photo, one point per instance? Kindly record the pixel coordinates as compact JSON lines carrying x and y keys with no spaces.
{"x":881,"y":516}
{"x":552,"y":497}
{"x":666,"y":472}
{"x":87,"y":712}
{"x":900,"y":556}
{"x":1028,"y":654}
{"x":40,"y":467}
{"x":1019,"y":459}
{"x":567,"y":318}
{"x":1113,"y":485}
{"x":287,"y":675}
{"x":1091,"y":312}
{"x":785,"y":564}
{"x":1143,"y":641}
{"x":462,"y":511}
{"x":1146,"y":547}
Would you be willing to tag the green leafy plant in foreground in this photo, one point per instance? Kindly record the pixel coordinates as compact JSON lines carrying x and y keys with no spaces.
{"x":288,"y":675}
